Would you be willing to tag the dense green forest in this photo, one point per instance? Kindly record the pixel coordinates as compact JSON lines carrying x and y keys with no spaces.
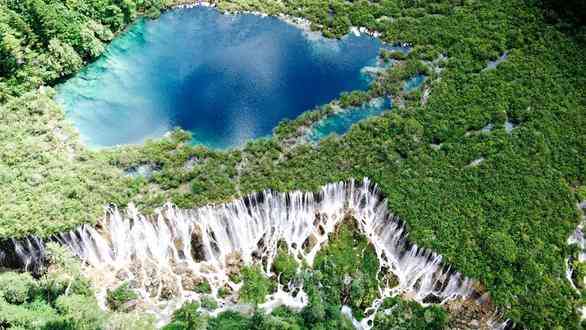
{"x":62,"y":299}
{"x":498,"y":205}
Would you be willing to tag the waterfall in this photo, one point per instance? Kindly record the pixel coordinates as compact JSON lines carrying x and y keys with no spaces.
{"x":165,"y":254}
{"x":578,"y":238}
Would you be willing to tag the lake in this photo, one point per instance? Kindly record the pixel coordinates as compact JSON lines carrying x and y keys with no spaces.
{"x":225,"y":78}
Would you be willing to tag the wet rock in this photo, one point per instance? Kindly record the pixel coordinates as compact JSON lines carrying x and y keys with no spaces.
{"x":233,"y":263}
{"x":130,"y":306}
{"x":190,"y":280}
{"x":169,"y":287}
{"x":123,"y":275}
{"x":197,"y":246}
{"x":310,"y":242}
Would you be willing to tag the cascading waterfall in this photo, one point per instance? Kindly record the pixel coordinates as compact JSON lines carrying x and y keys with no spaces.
{"x":578,"y":238}
{"x":163,"y":256}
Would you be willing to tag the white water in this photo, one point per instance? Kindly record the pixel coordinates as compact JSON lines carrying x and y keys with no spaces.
{"x":578,"y":238}
{"x":165,"y":255}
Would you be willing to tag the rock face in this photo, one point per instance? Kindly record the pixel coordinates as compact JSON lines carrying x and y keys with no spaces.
{"x":165,"y":255}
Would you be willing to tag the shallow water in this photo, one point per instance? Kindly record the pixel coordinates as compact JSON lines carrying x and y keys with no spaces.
{"x":493,"y":64}
{"x":225,"y":78}
{"x":414,"y":82}
{"x":340,"y":122}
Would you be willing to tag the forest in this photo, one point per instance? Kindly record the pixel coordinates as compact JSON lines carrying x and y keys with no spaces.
{"x":498,"y":204}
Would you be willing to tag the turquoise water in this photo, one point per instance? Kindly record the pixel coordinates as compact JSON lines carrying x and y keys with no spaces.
{"x":225,"y":78}
{"x":340,"y":122}
{"x":414,"y":82}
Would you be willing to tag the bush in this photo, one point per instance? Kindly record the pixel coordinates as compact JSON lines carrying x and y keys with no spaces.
{"x":118,"y":297}
{"x":187,"y":317}
{"x":400,"y":314}
{"x":230,"y":321}
{"x":208,"y":302}
{"x":16,"y":288}
{"x":203,"y":287}
{"x":285,"y":265}
{"x":223,"y":292}
{"x":395,"y":55}
{"x":502,"y":246}
{"x":80,"y":312}
{"x":131,"y":321}
{"x":256,"y":285}
{"x":65,"y":275}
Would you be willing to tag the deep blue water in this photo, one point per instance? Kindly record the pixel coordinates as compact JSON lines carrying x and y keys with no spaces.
{"x":340,"y":122}
{"x":225,"y":78}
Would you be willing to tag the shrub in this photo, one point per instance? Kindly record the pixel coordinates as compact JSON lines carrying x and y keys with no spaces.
{"x":400,"y":314}
{"x":118,"y":297}
{"x":187,"y":317}
{"x":256,"y":285}
{"x":131,"y":321}
{"x":80,"y":312}
{"x":208,"y":302}
{"x":203,"y":287}
{"x":16,"y":288}
{"x":285,"y":265}
{"x":223,"y":292}
{"x":230,"y":321}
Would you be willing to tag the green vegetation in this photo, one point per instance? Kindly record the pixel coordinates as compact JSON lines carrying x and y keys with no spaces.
{"x":46,"y":40}
{"x":203,"y":287}
{"x":60,"y":299}
{"x":187,"y":317}
{"x":255,"y":285}
{"x":284,"y":265}
{"x":344,"y":274}
{"x":346,"y":270}
{"x":503,"y":220}
{"x":209,"y":303}
{"x":395,"y":313}
{"x":223,"y":292}
{"x":118,"y":297}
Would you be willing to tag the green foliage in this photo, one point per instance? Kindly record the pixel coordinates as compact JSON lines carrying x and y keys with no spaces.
{"x":208,"y":302}
{"x":579,"y":274}
{"x":230,"y":321}
{"x":16,"y":288}
{"x":66,"y":276}
{"x":79,"y":312}
{"x":223,"y":292}
{"x":118,"y":297}
{"x":395,"y":55}
{"x":46,"y":40}
{"x":346,"y":268}
{"x":502,"y":246}
{"x":285,"y":265}
{"x":60,"y":300}
{"x":60,"y":185}
{"x":395,"y":313}
{"x":187,"y":317}
{"x":280,"y":318}
{"x":130,"y":321}
{"x":256,"y":286}
{"x":203,"y":287}
{"x":354,"y":98}
{"x":581,"y":192}
{"x":28,"y":316}
{"x":504,"y":221}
